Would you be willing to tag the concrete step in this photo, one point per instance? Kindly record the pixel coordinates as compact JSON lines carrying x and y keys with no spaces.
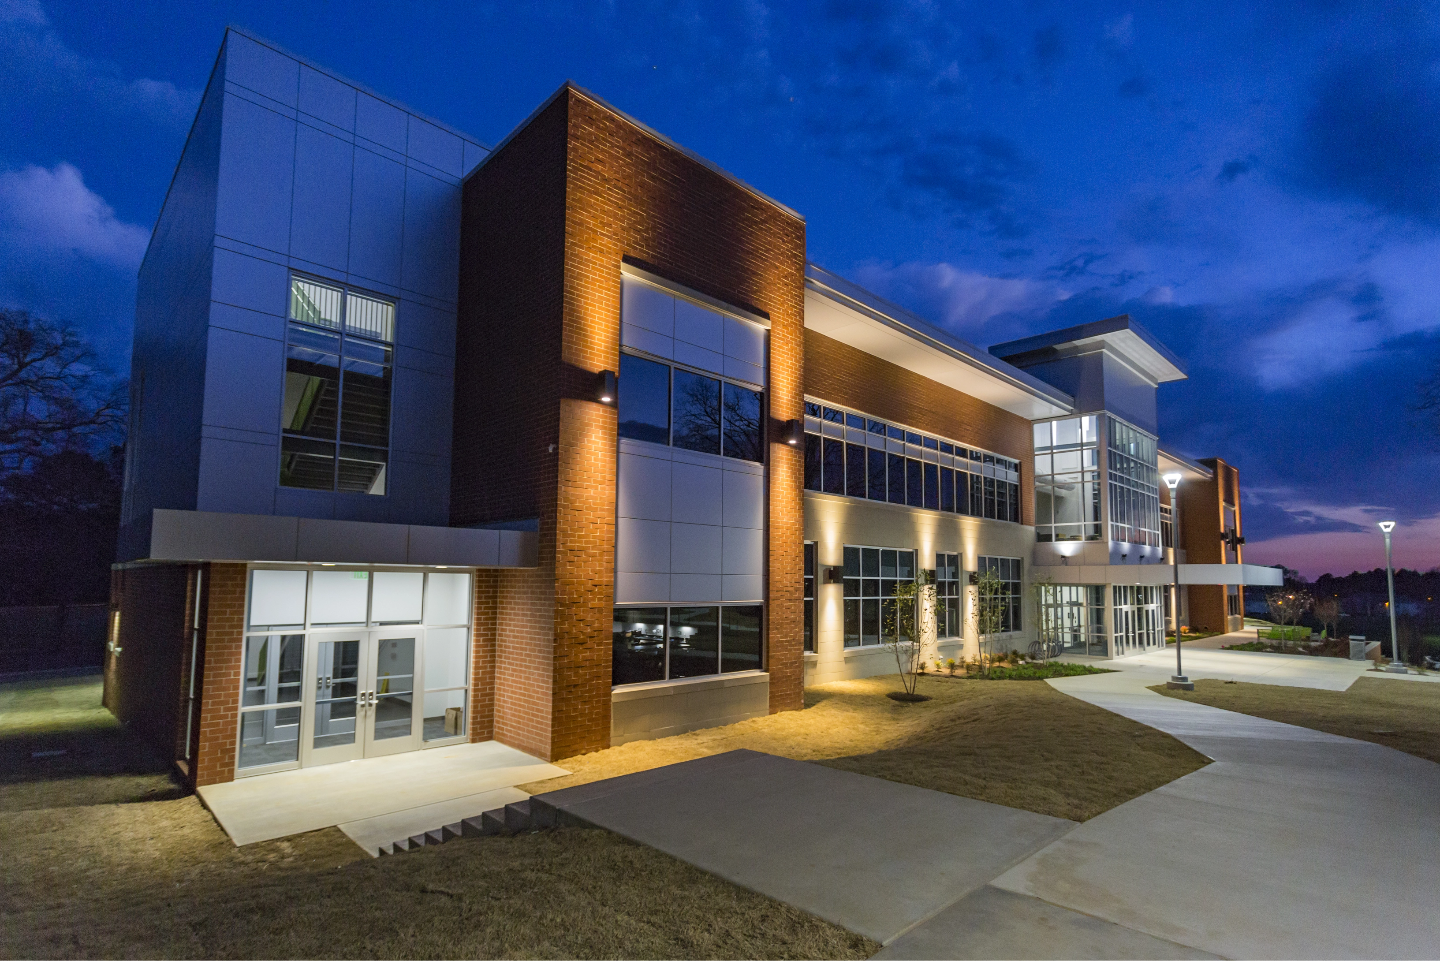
{"x":517,"y":817}
{"x":492,"y":822}
{"x":472,"y":828}
{"x":453,"y":830}
{"x":436,"y":836}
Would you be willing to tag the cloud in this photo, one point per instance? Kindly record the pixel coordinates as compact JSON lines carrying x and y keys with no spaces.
{"x":52,"y":212}
{"x":973,"y":305}
{"x":1416,"y":545}
{"x":34,"y":57}
{"x":1048,"y":48}
{"x":1372,"y":131}
{"x":1233,"y":169}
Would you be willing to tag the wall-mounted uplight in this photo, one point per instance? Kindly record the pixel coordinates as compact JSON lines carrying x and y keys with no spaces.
{"x":793,"y":433}
{"x":605,"y":387}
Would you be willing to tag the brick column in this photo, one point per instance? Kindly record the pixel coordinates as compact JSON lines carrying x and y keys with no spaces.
{"x":223,"y":662}
{"x":482,"y":658}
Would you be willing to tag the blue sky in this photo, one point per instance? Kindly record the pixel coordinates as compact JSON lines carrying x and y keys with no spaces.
{"x":1259,"y":184}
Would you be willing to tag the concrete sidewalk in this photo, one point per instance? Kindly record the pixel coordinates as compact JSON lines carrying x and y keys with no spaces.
{"x":1294,"y":843}
{"x":871,"y":855}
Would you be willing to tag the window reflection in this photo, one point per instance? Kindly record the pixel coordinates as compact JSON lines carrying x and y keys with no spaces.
{"x":638,"y":643}
{"x":644,"y":400}
{"x":697,"y":412}
{"x":694,"y":639}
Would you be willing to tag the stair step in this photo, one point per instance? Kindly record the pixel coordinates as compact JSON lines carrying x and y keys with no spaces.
{"x":436,"y":836}
{"x":492,"y":822}
{"x":453,"y":830}
{"x":472,"y":828}
{"x":417,"y":841}
{"x":517,"y":816}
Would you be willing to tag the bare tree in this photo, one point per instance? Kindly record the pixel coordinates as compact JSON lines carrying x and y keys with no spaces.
{"x":53,"y":395}
{"x":914,"y":606}
{"x":992,"y":601}
{"x":1327,"y":612}
{"x":1288,"y":605}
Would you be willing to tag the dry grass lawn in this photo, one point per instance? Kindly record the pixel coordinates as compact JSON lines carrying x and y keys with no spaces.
{"x":1401,"y":714}
{"x":1018,"y":743}
{"x":104,"y":858}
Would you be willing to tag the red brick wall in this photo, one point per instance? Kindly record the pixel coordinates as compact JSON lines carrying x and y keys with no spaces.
{"x":1202,"y":519}
{"x":482,"y":658}
{"x":840,"y":373}
{"x":222,"y":663}
{"x":144,"y":683}
{"x":621,"y":193}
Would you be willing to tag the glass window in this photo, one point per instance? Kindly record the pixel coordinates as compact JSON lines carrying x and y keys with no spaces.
{"x":947,"y":596}
{"x":447,"y":655}
{"x":397,"y":597}
{"x":810,"y":597}
{"x":337,"y":391}
{"x":270,"y":700}
{"x":1137,"y":617}
{"x":694,"y":641}
{"x":447,"y":598}
{"x":872,"y":575}
{"x":277,"y":599}
{"x":834,"y":466}
{"x":644,"y":400}
{"x":744,"y":424}
{"x":1008,"y":570}
{"x":855,"y":420}
{"x":855,"y":470}
{"x":1072,"y":618}
{"x":339,"y":598}
{"x":638,"y":645}
{"x":897,"y":478}
{"x":697,"y":412}
{"x":740,"y":638}
{"x":813,"y":462}
{"x":932,"y":487}
{"x":875,"y":474}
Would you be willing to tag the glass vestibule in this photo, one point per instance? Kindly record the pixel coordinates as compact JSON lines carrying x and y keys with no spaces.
{"x":344,"y":663}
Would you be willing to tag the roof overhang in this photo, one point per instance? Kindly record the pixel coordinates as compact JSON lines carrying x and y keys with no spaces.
{"x":1246,"y":575}
{"x":212,"y":536}
{"x":1188,"y":469}
{"x":1119,"y":336}
{"x":845,"y":312}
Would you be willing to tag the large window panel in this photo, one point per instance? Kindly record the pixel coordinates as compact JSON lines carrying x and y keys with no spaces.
{"x":834,"y":466}
{"x":339,"y":598}
{"x":740,"y":638}
{"x":311,"y":405}
{"x":365,"y":407}
{"x":644,"y":401}
{"x":813,"y":462}
{"x":694,"y":641}
{"x":638,"y":645}
{"x":277,"y":599}
{"x":398,"y":596}
{"x":307,"y":464}
{"x":447,"y":664}
{"x":697,"y":412}
{"x":447,"y":598}
{"x":744,"y":426}
{"x":855,"y":474}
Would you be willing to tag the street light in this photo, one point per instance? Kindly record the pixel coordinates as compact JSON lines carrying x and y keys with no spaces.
{"x":1179,"y":682}
{"x":1397,"y":666}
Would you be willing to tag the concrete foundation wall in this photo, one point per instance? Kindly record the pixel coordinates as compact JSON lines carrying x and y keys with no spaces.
{"x":659,"y":710}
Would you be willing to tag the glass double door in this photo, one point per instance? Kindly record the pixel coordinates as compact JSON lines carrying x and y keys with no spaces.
{"x":362,"y":695}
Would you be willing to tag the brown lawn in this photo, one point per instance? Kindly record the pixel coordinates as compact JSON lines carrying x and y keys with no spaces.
{"x":1401,"y":714}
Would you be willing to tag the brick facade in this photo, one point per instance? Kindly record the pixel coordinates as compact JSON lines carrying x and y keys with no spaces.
{"x":222,"y":662}
{"x":1202,"y":521}
{"x":546,"y":224}
{"x":844,"y":375}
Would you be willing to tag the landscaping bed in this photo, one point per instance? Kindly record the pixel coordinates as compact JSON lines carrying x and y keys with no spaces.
{"x":1329,"y":648}
{"x":1401,"y":714}
{"x":1025,"y":672}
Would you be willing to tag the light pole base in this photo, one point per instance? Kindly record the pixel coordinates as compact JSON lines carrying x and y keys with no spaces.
{"x":1394,"y":668}
{"x":1179,"y":682}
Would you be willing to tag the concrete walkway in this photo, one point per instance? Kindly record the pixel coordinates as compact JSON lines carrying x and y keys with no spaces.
{"x":1294,"y":843}
{"x":871,"y":855}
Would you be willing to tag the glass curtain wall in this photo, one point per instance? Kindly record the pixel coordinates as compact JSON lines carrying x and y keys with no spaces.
{"x":1138,"y":618}
{"x":673,"y":643}
{"x":854,"y":455}
{"x":1074,"y":615}
{"x":1134,"y":485}
{"x":1067,"y":480}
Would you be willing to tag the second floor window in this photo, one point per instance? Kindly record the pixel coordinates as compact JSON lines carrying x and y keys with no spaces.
{"x":335,"y":416}
{"x":666,"y":404}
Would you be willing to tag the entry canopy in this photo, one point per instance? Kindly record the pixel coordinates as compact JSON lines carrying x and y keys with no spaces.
{"x":1243,"y":575}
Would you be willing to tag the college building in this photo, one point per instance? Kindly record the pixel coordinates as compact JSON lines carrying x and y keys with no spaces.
{"x":564,"y":443}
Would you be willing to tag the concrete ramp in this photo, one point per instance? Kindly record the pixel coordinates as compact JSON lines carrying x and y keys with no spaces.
{"x":871,"y":855}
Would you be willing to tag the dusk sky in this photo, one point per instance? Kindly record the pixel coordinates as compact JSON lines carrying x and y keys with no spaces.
{"x":1256,"y":183}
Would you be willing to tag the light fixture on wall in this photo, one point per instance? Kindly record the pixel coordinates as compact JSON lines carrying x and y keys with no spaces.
{"x":793,"y":433}
{"x":834,"y":575}
{"x":605,"y":387}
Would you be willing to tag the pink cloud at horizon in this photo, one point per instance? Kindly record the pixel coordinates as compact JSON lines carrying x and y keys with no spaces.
{"x":1415,"y":545}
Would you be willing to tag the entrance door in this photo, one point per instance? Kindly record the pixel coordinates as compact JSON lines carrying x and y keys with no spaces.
{"x":361,"y":694}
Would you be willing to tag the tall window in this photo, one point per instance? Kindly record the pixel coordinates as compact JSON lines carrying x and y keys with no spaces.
{"x":872,"y":575}
{"x":1138,"y":618}
{"x":857,"y":456}
{"x":810,"y":597}
{"x":947,"y":596}
{"x":666,"y":404}
{"x":1009,"y":570}
{"x":1074,"y":614}
{"x":671,"y":643}
{"x":1167,"y":526}
{"x":1067,"y":480}
{"x":1134,"y":486}
{"x":335,"y":420}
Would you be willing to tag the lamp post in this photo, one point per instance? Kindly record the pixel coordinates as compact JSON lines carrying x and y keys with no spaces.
{"x":1179,"y":682}
{"x":1397,"y":666}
